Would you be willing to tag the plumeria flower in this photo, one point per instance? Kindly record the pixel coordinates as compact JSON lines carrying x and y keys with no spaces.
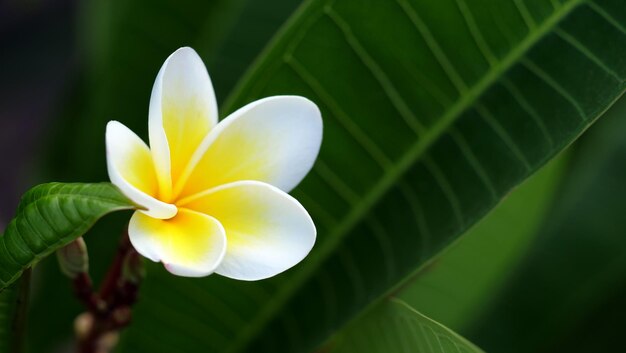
{"x":214,"y":195}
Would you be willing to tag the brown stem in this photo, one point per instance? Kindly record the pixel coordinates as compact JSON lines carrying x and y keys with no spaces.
{"x":83,"y":290}
{"x":112,"y":278}
{"x":108,"y":310}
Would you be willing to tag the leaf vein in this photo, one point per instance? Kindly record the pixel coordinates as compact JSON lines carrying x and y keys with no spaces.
{"x":418,"y":212}
{"x":571,"y":40}
{"x":606,"y":15}
{"x":475,"y":32}
{"x":433,"y":45}
{"x":333,"y":180}
{"x":525,"y":14}
{"x":550,"y":81}
{"x":447,"y":189}
{"x":503,"y":134}
{"x":473,"y":161}
{"x":528,"y":108}
{"x":390,"y":90}
{"x":353,"y":129}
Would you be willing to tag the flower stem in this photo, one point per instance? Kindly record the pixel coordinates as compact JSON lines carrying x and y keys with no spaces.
{"x":111,"y":281}
{"x":108,"y":310}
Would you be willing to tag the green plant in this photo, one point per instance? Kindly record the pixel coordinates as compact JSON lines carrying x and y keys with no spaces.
{"x":433,"y":112}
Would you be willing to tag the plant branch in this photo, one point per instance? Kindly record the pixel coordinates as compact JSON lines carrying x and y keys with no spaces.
{"x":108,"y":310}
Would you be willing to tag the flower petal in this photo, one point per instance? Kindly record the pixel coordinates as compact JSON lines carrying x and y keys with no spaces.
{"x":130,"y":168}
{"x":182,"y":111}
{"x":274,"y":140}
{"x":268,"y":231}
{"x":191,"y":244}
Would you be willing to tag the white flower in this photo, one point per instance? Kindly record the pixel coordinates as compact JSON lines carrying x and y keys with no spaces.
{"x":214,"y":196}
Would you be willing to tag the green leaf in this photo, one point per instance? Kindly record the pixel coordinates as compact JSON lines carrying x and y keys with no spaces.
{"x":459,"y":284}
{"x":394,"y":326}
{"x":433,"y":111}
{"x":568,"y":294}
{"x":13,"y":307}
{"x":50,"y":216}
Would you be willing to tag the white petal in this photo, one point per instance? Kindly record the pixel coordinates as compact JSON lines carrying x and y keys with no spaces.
{"x":274,"y":140}
{"x":182,"y":111}
{"x":268,"y":231}
{"x":191,"y":244}
{"x":131,"y":169}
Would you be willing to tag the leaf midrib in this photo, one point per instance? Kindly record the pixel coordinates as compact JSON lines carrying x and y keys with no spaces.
{"x":392,"y":175}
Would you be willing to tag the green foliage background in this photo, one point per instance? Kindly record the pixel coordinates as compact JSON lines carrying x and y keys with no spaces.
{"x":434,"y":112}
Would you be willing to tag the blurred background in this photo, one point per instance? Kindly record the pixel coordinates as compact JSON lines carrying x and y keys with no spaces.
{"x":557,"y":283}
{"x":39,"y":63}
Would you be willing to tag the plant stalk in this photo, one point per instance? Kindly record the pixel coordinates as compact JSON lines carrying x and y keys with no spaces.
{"x":109,"y":309}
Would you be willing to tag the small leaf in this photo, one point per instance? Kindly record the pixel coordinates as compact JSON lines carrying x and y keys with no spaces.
{"x":49,"y":217}
{"x":394,"y":326}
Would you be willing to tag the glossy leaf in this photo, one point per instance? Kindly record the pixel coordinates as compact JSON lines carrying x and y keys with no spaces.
{"x":394,"y":326}
{"x":462,"y":282}
{"x":433,"y":111}
{"x":568,"y":294}
{"x":50,"y":216}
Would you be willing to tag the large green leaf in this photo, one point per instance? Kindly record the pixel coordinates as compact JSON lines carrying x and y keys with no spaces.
{"x":568,"y":295}
{"x":463,"y":281}
{"x":433,"y":111}
{"x":395,"y":327}
{"x":49,"y":217}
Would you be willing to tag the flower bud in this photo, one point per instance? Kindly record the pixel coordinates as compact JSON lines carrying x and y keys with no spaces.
{"x":83,"y":324}
{"x":73,"y":258}
{"x":133,"y":271}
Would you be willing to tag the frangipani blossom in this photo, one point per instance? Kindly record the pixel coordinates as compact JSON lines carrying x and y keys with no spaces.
{"x":214,"y":195}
